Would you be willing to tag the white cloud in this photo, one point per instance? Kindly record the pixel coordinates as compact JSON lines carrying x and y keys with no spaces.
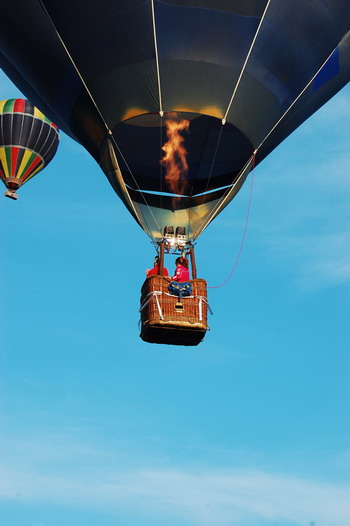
{"x":232,"y":497}
{"x":64,"y":472}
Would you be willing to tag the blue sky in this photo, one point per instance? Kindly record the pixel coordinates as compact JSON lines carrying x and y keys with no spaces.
{"x":251,"y":427}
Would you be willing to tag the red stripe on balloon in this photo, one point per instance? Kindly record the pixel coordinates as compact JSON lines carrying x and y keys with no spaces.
{"x":19,"y":105}
{"x":14,"y":158}
{"x":30,"y":168}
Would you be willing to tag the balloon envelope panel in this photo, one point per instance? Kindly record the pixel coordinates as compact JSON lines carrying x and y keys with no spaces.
{"x":110,"y":72}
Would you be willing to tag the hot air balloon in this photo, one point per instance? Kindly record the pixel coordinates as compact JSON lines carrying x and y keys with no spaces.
{"x":219,"y":84}
{"x":28,"y":142}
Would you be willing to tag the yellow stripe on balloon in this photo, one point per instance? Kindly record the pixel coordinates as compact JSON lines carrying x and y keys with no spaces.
{"x":24,"y":161}
{"x":40,"y":167}
{"x":38,"y":114}
{"x":2,"y":104}
{"x":3,"y":160}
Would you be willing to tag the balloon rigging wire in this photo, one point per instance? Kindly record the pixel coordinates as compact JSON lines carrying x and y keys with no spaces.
{"x":246,"y":61}
{"x":253,"y":165}
{"x":217,"y":209}
{"x":74,"y":64}
{"x":244,"y":233}
{"x":136,"y":183}
{"x":213,"y":161}
{"x":210,"y":172}
{"x":227,"y":194}
{"x":96,"y":106}
{"x":160,"y":160}
{"x":161,"y":112}
{"x":297,"y":98}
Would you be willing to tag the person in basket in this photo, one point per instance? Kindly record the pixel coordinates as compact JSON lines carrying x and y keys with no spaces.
{"x":181,"y":272}
{"x":155,"y":269}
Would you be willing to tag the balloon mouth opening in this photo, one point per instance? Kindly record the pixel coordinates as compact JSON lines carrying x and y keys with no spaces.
{"x":145,"y":141}
{"x":12,"y":183}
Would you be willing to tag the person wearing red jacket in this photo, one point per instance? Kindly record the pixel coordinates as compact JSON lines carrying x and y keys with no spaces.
{"x":155,"y":269}
{"x":182,"y":273}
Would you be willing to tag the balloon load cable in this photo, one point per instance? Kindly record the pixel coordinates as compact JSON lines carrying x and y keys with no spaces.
{"x":244,"y":232}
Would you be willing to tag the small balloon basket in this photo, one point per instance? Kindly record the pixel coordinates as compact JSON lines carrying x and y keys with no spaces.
{"x":167,"y":319}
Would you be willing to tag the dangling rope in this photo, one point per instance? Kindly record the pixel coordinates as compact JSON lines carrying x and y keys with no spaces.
{"x":244,"y":232}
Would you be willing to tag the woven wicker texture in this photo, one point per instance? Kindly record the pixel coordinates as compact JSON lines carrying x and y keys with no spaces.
{"x":186,"y":321}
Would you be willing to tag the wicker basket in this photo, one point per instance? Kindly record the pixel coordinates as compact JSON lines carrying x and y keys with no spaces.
{"x":164,"y":319}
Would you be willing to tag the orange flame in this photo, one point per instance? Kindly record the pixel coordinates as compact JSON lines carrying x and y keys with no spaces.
{"x":175,"y":158}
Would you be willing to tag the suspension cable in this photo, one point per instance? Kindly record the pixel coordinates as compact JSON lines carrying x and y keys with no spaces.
{"x":74,"y":65}
{"x":108,"y":131}
{"x":136,"y":183}
{"x":213,"y":161}
{"x":244,"y":232}
{"x":161,"y":112}
{"x":226,"y":196}
{"x":296,"y":99}
{"x":245,"y":62}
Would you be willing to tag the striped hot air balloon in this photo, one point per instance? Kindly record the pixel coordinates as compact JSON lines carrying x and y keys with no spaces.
{"x":28,"y":142}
